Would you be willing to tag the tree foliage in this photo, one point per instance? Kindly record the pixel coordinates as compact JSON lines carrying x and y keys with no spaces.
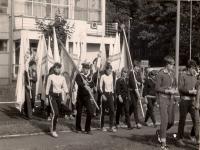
{"x":153,"y":27}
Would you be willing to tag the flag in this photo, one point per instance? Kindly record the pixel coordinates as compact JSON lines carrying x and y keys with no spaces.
{"x":125,"y":60}
{"x":56,"y":51}
{"x":24,"y":59}
{"x":50,"y":60}
{"x":69,"y":68}
{"x":42,"y":69}
{"x":102,"y":59}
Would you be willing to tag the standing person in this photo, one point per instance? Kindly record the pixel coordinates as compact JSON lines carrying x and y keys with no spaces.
{"x":187,"y":89}
{"x":123,"y":98}
{"x":30,"y":89}
{"x":84,"y":98}
{"x":107,"y":91}
{"x":59,"y":84}
{"x":150,"y":96}
{"x":135,"y":81}
{"x":166,"y":88}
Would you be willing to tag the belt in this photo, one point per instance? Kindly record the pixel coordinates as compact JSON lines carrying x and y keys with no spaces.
{"x":56,"y":94}
{"x":187,"y":98}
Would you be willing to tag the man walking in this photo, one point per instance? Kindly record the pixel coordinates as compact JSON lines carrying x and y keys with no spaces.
{"x":166,"y":88}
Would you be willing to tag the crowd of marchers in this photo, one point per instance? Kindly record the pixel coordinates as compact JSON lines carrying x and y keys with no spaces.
{"x":119,"y":95}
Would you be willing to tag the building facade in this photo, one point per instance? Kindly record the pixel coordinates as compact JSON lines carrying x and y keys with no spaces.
{"x":19,"y":16}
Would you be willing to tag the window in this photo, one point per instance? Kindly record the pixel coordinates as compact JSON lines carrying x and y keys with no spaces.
{"x":89,"y":10}
{"x":3,"y":6}
{"x":47,"y":8}
{"x":3,"y":45}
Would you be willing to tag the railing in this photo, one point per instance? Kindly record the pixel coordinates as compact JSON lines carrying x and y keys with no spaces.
{"x":111,"y":29}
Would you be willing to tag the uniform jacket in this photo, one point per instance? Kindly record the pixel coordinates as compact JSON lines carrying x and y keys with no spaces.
{"x":165,"y":80}
{"x":122,"y":87}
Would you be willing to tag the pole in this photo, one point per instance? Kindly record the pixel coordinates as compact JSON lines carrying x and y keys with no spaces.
{"x":11,"y":42}
{"x":128,"y":50}
{"x":190,"y":29}
{"x":177,"y":39}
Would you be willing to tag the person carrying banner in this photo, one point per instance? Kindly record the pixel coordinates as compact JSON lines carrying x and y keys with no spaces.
{"x":84,"y":98}
{"x":123,"y":98}
{"x":55,"y":98}
{"x":30,"y":88}
{"x":135,"y":81}
{"x":107,"y":91}
{"x":188,"y":91}
{"x":150,"y":97}
{"x":166,"y":87}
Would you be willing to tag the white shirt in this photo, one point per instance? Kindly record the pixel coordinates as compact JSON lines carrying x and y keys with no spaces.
{"x":58,"y":82}
{"x":107,"y":80}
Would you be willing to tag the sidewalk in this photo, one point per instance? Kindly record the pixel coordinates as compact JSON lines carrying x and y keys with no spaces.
{"x":13,"y":123}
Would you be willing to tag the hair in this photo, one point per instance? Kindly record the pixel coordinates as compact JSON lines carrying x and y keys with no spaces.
{"x":51,"y":70}
{"x":191,"y":64}
{"x":136,"y":63}
{"x":31,"y":63}
{"x":58,"y":65}
{"x":108,"y":66}
{"x":168,"y":60}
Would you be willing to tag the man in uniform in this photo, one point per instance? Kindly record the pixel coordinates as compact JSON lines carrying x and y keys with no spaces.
{"x":135,"y":81}
{"x":187,"y":89}
{"x":84,"y":98}
{"x":123,"y":98}
{"x":166,"y":88}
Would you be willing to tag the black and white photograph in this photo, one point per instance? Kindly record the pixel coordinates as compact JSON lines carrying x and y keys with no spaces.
{"x":99,"y":74}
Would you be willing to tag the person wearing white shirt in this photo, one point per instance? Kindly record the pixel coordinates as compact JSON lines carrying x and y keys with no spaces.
{"x":107,"y":91}
{"x":58,"y":82}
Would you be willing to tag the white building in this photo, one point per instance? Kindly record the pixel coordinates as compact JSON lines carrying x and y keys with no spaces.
{"x":17,"y":16}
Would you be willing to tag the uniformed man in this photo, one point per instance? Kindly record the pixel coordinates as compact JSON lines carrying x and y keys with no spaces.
{"x":187,"y":89}
{"x":123,"y":98}
{"x":135,"y":81}
{"x":58,"y":82}
{"x":84,"y":98}
{"x":166,"y":88}
{"x":30,"y":89}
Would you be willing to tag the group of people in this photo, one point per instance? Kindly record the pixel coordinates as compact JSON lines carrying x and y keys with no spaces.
{"x":102,"y":92}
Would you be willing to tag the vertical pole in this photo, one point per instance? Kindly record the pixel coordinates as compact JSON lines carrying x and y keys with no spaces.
{"x":177,"y":38}
{"x":190,"y":29}
{"x":11,"y":42}
{"x":129,"y":30}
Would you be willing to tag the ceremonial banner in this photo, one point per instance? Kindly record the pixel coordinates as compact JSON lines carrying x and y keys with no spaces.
{"x":24,"y":59}
{"x":56,"y":51}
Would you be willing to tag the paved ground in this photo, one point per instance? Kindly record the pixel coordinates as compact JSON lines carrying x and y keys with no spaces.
{"x":36,"y":136}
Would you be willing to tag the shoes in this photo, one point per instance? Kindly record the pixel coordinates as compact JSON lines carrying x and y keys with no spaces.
{"x":180,"y":143}
{"x":164,"y":147}
{"x":155,"y":125}
{"x":88,"y":132}
{"x":54,"y":134}
{"x":158,"y":136}
{"x":113,"y":129}
{"x":49,"y":118}
{"x":138,"y":126}
{"x":147,"y":124}
{"x":79,"y":131}
{"x":104,"y":129}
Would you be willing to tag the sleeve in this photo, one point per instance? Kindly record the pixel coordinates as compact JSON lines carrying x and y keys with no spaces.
{"x":181,"y":85}
{"x":132,"y":83}
{"x":79,"y":81}
{"x":101,"y":83}
{"x":65,"y":86}
{"x":118,"y":87}
{"x":158,"y":87}
{"x":48,"y":85}
{"x":26,"y":79}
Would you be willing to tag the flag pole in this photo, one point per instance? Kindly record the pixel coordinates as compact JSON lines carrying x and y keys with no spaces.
{"x":84,"y":81}
{"x":133,"y":71}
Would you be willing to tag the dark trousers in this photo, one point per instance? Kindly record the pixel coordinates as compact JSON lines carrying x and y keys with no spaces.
{"x":33,"y":98}
{"x":55,"y":103}
{"x":195,"y":129}
{"x":150,"y":110}
{"x":108,"y":104}
{"x":185,"y":107}
{"x":123,"y":107}
{"x":134,"y":106}
{"x":167,"y":114}
{"x":84,"y":101}
{"x":27,"y":105}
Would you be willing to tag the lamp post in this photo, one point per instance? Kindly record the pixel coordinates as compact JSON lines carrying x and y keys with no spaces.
{"x":177,"y":39}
